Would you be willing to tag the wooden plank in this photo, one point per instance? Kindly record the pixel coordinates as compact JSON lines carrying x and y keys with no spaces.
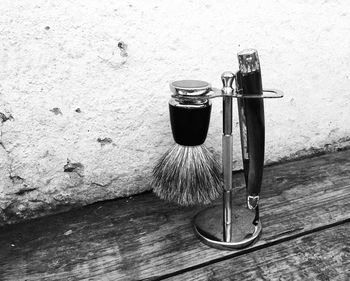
{"x":143,"y":237}
{"x":323,"y":255}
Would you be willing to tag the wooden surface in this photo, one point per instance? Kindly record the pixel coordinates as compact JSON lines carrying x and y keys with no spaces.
{"x":323,"y":255}
{"x":305,"y":210}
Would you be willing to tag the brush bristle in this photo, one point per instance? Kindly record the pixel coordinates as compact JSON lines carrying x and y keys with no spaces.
{"x":187,"y":175}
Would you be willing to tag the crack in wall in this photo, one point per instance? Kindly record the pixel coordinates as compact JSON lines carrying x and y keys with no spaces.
{"x":15,"y":209}
{"x":3,"y":119}
{"x":106,"y":184}
{"x":25,"y":190}
{"x":339,"y":145}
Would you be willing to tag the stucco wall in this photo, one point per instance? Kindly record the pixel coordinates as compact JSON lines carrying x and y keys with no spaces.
{"x":83,"y":119}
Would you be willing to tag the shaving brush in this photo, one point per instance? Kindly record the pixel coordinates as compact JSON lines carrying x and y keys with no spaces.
{"x":188,"y":173}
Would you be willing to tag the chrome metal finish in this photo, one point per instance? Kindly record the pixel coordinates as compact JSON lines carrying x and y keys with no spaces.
{"x":252,"y":202}
{"x":227,"y":115}
{"x":227,"y":80}
{"x":227,"y":211}
{"x":267,"y":94}
{"x":227,"y":151}
{"x":192,"y":103}
{"x":213,"y":93}
{"x":243,"y":229}
{"x":190,"y":87}
{"x":217,"y":93}
{"x":248,"y":61}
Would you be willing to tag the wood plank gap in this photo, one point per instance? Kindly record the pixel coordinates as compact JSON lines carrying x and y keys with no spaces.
{"x":248,"y":250}
{"x":324,"y":255}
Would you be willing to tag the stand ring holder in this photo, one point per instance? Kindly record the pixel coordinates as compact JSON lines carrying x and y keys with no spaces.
{"x":212,"y":93}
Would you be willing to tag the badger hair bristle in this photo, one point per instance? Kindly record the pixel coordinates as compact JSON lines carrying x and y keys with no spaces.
{"x":187,"y":175}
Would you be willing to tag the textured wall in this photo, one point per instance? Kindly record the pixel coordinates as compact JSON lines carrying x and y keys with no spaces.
{"x":84,"y":88}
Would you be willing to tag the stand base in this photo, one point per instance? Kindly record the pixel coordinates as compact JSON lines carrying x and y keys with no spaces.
{"x":244,"y":229}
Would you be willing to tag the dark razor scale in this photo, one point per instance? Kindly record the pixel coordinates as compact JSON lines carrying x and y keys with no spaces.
{"x":252,"y":123}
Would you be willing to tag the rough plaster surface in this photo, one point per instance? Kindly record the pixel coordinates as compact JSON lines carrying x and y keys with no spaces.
{"x":84,"y":88}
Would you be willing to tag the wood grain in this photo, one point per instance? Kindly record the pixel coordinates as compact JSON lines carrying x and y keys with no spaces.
{"x":143,"y":237}
{"x":324,"y":255}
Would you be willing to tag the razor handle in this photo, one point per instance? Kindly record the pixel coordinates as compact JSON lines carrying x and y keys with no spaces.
{"x":252,"y":128}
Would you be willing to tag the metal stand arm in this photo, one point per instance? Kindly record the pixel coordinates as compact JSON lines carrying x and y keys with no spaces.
{"x":227,"y":226}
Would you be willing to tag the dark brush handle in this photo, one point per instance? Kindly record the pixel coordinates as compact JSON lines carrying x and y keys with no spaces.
{"x":189,"y":123}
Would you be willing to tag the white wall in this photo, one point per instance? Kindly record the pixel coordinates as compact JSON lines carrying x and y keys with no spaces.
{"x":58,"y":56}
